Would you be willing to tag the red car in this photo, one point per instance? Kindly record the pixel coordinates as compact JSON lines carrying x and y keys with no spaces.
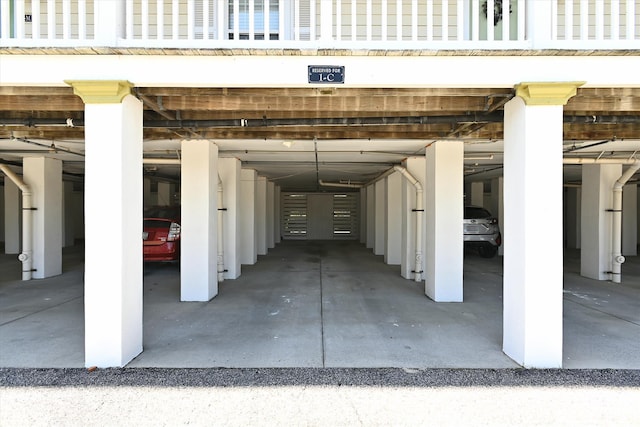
{"x":161,"y":233}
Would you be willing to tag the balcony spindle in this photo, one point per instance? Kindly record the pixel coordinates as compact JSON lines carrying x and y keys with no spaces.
{"x":460,"y":20}
{"x":36,"y":20}
{"x":521,"y":20}
{"x":19,"y":20}
{"x":369,"y":20}
{"x":265,"y":16}
{"x":236,"y":20}
{"x":554,"y":19}
{"x":252,"y":20}
{"x":490,"y":19}
{"x":160,"y":19}
{"x":584,"y":19}
{"x":312,"y":20}
{"x":383,"y":21}
{"x":615,"y":19}
{"x":354,"y":21}
{"x":66,"y":19}
{"x":205,"y":20}
{"x":631,"y":13}
{"x":475,"y":20}
{"x":414,"y":20}
{"x":191,"y":20}
{"x":144,"y":10}
{"x":175,"y":19}
{"x":429,"y":20}
{"x":282,"y":33}
{"x":6,"y":19}
{"x":129,"y":20}
{"x":506,"y":20}
{"x":51,"y":19}
{"x":338,"y":20}
{"x":82,"y":19}
{"x":568,"y":20}
{"x":399,"y":20}
{"x":599,"y":19}
{"x":445,"y":19}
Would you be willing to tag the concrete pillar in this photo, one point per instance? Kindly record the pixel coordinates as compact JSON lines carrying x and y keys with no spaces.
{"x":164,"y":194}
{"x":533,"y":266}
{"x":477,"y":194}
{"x":597,"y":197}
{"x":630,"y":220}
{"x":380,"y":217}
{"x":444,"y":212}
{"x":416,"y":166}
{"x":247,"y":220}
{"x":371,"y":216}
{"x":497,"y":206}
{"x":147,"y":198}
{"x":573,"y":217}
{"x":278,"y":214}
{"x":363,"y":215}
{"x":44,"y":176}
{"x":12,"y":215}
{"x":68,"y":224}
{"x":229,"y":171}
{"x":198,"y":235}
{"x":393,"y":228}
{"x":113,"y":289}
{"x":270,"y":218}
{"x":261,"y":215}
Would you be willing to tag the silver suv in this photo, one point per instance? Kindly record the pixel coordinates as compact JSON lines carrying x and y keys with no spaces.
{"x":481,"y":231}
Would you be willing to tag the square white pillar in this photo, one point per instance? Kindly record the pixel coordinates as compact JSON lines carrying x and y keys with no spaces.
{"x":261,"y":215}
{"x":278,"y":214}
{"x":533,"y":257}
{"x":371,"y":216}
{"x":380,"y":217}
{"x":573,"y":216}
{"x":113,"y":199}
{"x":164,"y":194}
{"x":199,"y":233}
{"x":597,"y":197}
{"x":477,"y":194}
{"x":12,"y":216}
{"x":444,"y":212}
{"x":229,"y":170}
{"x":44,"y":176}
{"x":363,"y":215}
{"x":393,"y":229}
{"x":630,"y":220}
{"x":416,"y":166}
{"x":68,"y":224}
{"x":247,"y":220}
{"x":271,"y":228}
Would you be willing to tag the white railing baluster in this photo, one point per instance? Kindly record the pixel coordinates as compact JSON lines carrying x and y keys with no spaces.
{"x":296,"y":20}
{"x":252,"y":20}
{"x":584,"y":20}
{"x":267,"y":27}
{"x":5,"y":16}
{"x":475,"y":20}
{"x":506,"y":20}
{"x":399,"y":16}
{"x":338,"y":20}
{"x":554,"y":20}
{"x":66,"y":19}
{"x":631,"y":14}
{"x":460,"y":20}
{"x":313,"y":18}
{"x":369,"y":20}
{"x":36,"y":19}
{"x":236,"y":20}
{"x":568,"y":20}
{"x":599,"y":19}
{"x":354,"y":21}
{"x":175,"y":19}
{"x":490,"y":19}
{"x":191,"y":19}
{"x":51,"y":19}
{"x":160,"y":19}
{"x":281,"y":30}
{"x":82,"y":19}
{"x":445,"y":19}
{"x":383,"y":21}
{"x":615,"y":19}
{"x":414,"y":20}
{"x":128,"y":18}
{"x":144,"y":19}
{"x":205,"y":19}
{"x":19,"y":20}
{"x":429,"y":20}
{"x":521,"y":20}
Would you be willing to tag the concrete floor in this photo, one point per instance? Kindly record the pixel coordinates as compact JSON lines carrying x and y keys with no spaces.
{"x":318,"y":304}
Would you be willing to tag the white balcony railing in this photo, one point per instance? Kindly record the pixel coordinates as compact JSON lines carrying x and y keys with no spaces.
{"x":366,"y":24}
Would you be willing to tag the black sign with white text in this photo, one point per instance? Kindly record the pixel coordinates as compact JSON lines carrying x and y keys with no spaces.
{"x":327,"y":74}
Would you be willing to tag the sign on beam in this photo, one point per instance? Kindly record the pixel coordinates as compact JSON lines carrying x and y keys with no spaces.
{"x":326,"y":74}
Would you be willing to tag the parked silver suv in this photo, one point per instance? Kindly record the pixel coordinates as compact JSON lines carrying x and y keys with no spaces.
{"x":481,"y":231}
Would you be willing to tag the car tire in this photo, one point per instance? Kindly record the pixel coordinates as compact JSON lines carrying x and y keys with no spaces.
{"x":487,"y":251}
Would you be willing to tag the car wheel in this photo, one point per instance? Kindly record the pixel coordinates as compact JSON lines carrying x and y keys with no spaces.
{"x":487,"y":251}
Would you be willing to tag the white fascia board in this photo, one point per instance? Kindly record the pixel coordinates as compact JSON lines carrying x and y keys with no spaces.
{"x":291,"y":71}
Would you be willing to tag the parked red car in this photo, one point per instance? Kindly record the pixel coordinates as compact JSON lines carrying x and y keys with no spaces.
{"x":161,"y":233}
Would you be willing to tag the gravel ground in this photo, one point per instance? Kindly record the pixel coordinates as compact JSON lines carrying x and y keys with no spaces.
{"x":323,"y":397}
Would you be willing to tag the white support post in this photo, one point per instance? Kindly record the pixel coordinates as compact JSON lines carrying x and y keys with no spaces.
{"x":12,"y":227}
{"x":393,"y":229}
{"x":381,"y":217}
{"x":113,"y":295}
{"x":68,"y":224}
{"x":247,"y":221}
{"x":597,"y":198}
{"x":44,"y":176}
{"x":573,"y":217}
{"x":261,"y":215}
{"x":270,"y":217}
{"x":371,"y":216}
{"x":444,"y":215}
{"x":630,"y":220}
{"x":416,"y":166}
{"x":533,"y":260}
{"x":229,"y":171}
{"x":477,"y":194}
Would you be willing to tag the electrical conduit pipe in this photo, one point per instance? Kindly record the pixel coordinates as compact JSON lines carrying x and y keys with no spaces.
{"x":27,"y":223}
{"x":616,"y":236}
{"x":419,"y":212}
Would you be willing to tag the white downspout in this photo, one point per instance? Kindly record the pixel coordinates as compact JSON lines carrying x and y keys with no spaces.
{"x":419,"y":212}
{"x":339,"y":184}
{"x":221,"y":210}
{"x":27,"y":223}
{"x":616,"y":237}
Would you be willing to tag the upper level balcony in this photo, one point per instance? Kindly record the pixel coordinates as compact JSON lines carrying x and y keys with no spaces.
{"x":393,"y":25}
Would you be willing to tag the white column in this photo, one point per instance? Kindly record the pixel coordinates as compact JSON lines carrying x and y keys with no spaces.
{"x":497,"y":206}
{"x":630,"y":220}
{"x":444,"y":214}
{"x":113,"y":290}
{"x":477,"y":194}
{"x":247,"y":221}
{"x":68,"y":224}
{"x":363,"y":215}
{"x":164,"y":193}
{"x":278,"y":213}
{"x":597,"y":197}
{"x":393,"y":229}
{"x":371,"y":216}
{"x":12,"y":215}
{"x":229,"y":170}
{"x":380,"y":217}
{"x":44,"y":176}
{"x":261,"y":215}
{"x":199,"y":227}
{"x":573,"y":217}
{"x":147,"y":198}
{"x":533,"y":260}
{"x":270,"y":218}
{"x":416,"y":166}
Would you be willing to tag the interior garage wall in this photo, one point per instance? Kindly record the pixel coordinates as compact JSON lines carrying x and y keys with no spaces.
{"x":2,"y":213}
